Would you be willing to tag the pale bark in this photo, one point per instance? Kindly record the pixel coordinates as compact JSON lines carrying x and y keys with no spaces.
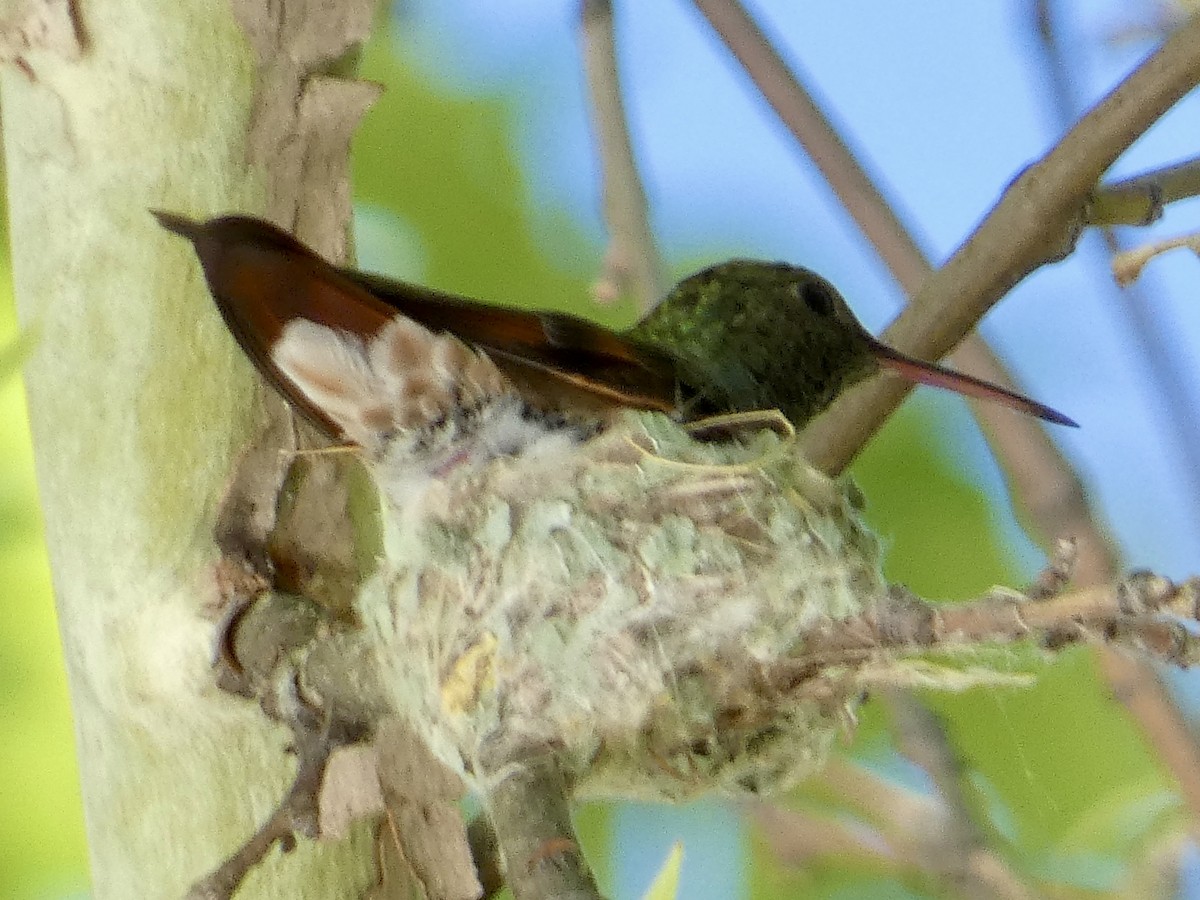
{"x":139,"y":402}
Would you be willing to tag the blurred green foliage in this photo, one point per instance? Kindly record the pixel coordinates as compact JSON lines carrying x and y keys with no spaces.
{"x":42,"y":852}
{"x":1055,"y":767}
{"x":666,"y":883}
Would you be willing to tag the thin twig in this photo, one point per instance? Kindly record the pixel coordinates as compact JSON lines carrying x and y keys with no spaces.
{"x":1140,"y":199}
{"x":921,"y":737}
{"x":632,"y":263}
{"x":1144,"y":611}
{"x":1127,"y":265}
{"x":296,"y":814}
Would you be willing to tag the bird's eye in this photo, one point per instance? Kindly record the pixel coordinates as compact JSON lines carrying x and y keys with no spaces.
{"x":816,"y":297}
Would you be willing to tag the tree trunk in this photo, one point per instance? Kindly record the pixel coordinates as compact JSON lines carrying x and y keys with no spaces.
{"x":140,"y":401}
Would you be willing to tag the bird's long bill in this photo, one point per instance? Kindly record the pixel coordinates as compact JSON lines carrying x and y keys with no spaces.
{"x":941,"y":377}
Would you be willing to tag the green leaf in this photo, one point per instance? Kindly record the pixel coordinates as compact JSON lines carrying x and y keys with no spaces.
{"x":14,"y":353}
{"x":666,"y":883}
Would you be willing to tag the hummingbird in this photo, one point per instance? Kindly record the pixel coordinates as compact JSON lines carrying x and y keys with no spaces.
{"x":501,"y":614}
{"x":367,"y":358}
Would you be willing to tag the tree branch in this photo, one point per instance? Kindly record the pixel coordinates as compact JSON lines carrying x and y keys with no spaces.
{"x":1140,"y":199}
{"x":631,"y":263}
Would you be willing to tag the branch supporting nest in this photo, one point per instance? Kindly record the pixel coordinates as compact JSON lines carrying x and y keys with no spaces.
{"x":531,"y":814}
{"x":1144,"y":612}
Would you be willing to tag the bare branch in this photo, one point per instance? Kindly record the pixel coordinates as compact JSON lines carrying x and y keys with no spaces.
{"x":1127,"y":265}
{"x":1143,"y":611}
{"x":1140,"y":200}
{"x":632,"y":263}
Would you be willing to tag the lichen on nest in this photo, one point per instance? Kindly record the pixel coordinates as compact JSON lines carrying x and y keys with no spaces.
{"x":617,"y":605}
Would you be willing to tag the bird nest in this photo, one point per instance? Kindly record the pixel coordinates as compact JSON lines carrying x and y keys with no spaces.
{"x":628,"y":606}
